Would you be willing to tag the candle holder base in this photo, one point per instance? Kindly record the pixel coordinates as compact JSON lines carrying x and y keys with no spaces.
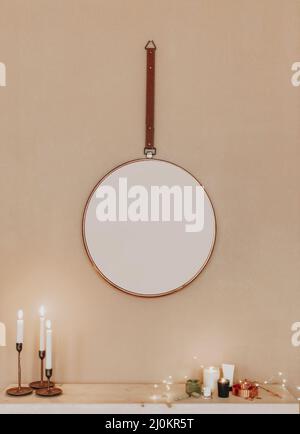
{"x":19,"y":391}
{"x":38,"y":385}
{"x":206,"y":398}
{"x":49,"y":393}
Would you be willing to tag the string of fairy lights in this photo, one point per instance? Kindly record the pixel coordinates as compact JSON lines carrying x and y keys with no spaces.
{"x":165,"y":389}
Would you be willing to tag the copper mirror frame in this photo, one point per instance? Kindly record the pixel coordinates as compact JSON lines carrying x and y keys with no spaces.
{"x":102,"y":274}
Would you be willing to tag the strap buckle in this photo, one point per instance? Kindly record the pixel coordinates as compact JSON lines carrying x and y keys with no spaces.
{"x":150,"y":152}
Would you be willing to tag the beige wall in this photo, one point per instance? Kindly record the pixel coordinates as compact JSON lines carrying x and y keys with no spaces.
{"x":226,"y":111}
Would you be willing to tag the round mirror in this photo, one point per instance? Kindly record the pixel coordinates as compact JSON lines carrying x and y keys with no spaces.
{"x":149,"y":227}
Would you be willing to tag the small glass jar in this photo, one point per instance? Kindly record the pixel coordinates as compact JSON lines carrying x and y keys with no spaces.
{"x":206,"y":392}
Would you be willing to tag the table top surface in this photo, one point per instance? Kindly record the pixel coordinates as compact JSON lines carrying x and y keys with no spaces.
{"x":142,"y":394}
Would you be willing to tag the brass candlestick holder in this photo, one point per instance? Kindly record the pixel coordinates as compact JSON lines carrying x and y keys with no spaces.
{"x":37,"y":385}
{"x":19,"y":391}
{"x":49,"y":392}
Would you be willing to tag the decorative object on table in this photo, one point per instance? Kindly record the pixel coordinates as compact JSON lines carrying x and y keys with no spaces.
{"x":2,"y":335}
{"x":276,"y":395}
{"x":278,"y":379}
{"x":42,"y":384}
{"x":223,"y":388}
{"x":167,"y":385}
{"x":42,"y":353}
{"x":187,"y":238}
{"x":20,"y":391}
{"x":211,"y":376}
{"x":206,"y":392}
{"x":228,"y":372}
{"x":246,"y":389}
{"x":50,"y":391}
{"x":193,"y":386}
{"x":157,"y":392}
{"x":181,"y":398}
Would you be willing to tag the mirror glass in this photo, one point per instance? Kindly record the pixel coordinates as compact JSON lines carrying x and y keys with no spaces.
{"x":149,"y":227}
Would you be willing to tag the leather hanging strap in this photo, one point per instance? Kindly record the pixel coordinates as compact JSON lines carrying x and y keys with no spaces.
{"x":150,"y":149}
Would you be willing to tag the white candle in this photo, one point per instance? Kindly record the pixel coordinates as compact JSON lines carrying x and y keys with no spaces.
{"x":207,"y":392}
{"x":48,"y":345}
{"x":210,"y":377}
{"x":20,"y":327}
{"x":42,"y":328}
